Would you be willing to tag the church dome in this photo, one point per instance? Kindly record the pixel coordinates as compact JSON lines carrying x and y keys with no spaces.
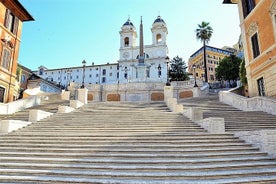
{"x":128,"y":23}
{"x":159,"y":20}
{"x":128,"y":26}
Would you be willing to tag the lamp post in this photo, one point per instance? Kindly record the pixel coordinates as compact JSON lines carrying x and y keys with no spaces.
{"x":68,"y":76}
{"x":159,"y":71}
{"x":194,"y":67}
{"x":83,"y":70}
{"x":168,"y":80}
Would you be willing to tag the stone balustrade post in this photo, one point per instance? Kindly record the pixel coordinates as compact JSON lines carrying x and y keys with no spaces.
{"x":214,"y":125}
{"x":82,"y":95}
{"x":168,"y":92}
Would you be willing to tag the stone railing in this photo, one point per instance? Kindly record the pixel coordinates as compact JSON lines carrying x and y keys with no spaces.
{"x":264,"y":104}
{"x":12,"y":107}
{"x":214,"y":125}
{"x":265,"y":140}
{"x":186,"y":84}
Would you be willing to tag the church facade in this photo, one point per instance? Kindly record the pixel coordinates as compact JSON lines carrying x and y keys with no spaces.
{"x":128,"y":68}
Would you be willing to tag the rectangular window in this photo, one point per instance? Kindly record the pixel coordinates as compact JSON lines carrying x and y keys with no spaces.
{"x":255,"y":45}
{"x":104,"y":71}
{"x":103,"y":80}
{"x":23,"y":78}
{"x":5,"y":63}
{"x":11,"y":22}
{"x":247,"y":6}
{"x":118,"y":75}
{"x":261,"y":86}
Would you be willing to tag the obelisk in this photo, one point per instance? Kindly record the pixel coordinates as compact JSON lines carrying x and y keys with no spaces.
{"x":141,"y":59}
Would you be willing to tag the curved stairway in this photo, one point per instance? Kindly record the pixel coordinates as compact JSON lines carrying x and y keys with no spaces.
{"x":235,"y":119}
{"x":128,"y":143}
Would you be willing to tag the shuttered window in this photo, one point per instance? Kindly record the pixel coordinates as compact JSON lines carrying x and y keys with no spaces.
{"x":6,"y":57}
{"x":247,"y":6}
{"x":255,"y":45}
{"x":11,"y":22}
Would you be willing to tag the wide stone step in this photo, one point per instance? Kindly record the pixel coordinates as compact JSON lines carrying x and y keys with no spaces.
{"x":144,"y":167}
{"x":105,"y":180}
{"x":158,"y":161}
{"x":183,"y":136}
{"x":235,"y":120}
{"x":132,"y":155}
{"x":136,"y":150}
{"x":144,"y":175}
{"x":129,"y":145}
{"x":111,"y":141}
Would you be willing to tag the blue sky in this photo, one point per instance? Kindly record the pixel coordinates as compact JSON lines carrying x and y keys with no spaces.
{"x":67,"y":31}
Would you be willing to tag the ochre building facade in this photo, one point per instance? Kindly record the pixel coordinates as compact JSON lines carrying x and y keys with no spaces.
{"x":258,"y":30}
{"x":213,"y":56}
{"x":12,"y":15}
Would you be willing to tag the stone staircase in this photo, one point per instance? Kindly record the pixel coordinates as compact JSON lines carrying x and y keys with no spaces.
{"x":128,"y":143}
{"x":50,"y":105}
{"x":235,"y":119}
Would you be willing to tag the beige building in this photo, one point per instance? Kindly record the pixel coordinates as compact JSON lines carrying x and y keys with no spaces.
{"x":12,"y":15}
{"x":258,"y":32}
{"x":213,"y":56}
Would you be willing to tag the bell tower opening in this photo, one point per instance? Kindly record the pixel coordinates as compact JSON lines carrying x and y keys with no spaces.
{"x":126,"y":41}
{"x":158,"y":38}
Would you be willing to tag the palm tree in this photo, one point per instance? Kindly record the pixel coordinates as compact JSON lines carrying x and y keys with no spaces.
{"x":204,"y":33}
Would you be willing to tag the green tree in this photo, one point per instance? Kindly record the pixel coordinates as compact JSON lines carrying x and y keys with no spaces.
{"x":204,"y":33}
{"x":177,"y":70}
{"x":228,"y":68}
{"x":243,"y":73}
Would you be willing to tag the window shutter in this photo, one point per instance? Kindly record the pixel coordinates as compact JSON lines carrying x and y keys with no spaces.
{"x":6,"y":59}
{"x":255,"y":45}
{"x":15,"y":26}
{"x":7,"y":20}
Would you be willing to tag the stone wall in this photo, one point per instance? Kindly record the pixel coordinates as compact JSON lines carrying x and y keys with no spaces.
{"x":264,"y":104}
{"x":140,"y":91}
{"x":127,"y":92}
{"x":265,"y":140}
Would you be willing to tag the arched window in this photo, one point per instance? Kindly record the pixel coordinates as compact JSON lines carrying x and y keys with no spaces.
{"x":158,"y":38}
{"x":126,"y":41}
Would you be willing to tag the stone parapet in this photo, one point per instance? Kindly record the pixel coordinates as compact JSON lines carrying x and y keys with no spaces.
{"x":264,"y":104}
{"x":7,"y":126}
{"x":265,"y":140}
{"x":213,"y":125}
{"x":195,"y":114}
{"x":65,"y":109}
{"x":36,"y":115}
{"x":82,"y":95}
{"x":65,"y":95}
{"x":173,"y":105}
{"x":75,"y":104}
{"x":19,"y":105}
